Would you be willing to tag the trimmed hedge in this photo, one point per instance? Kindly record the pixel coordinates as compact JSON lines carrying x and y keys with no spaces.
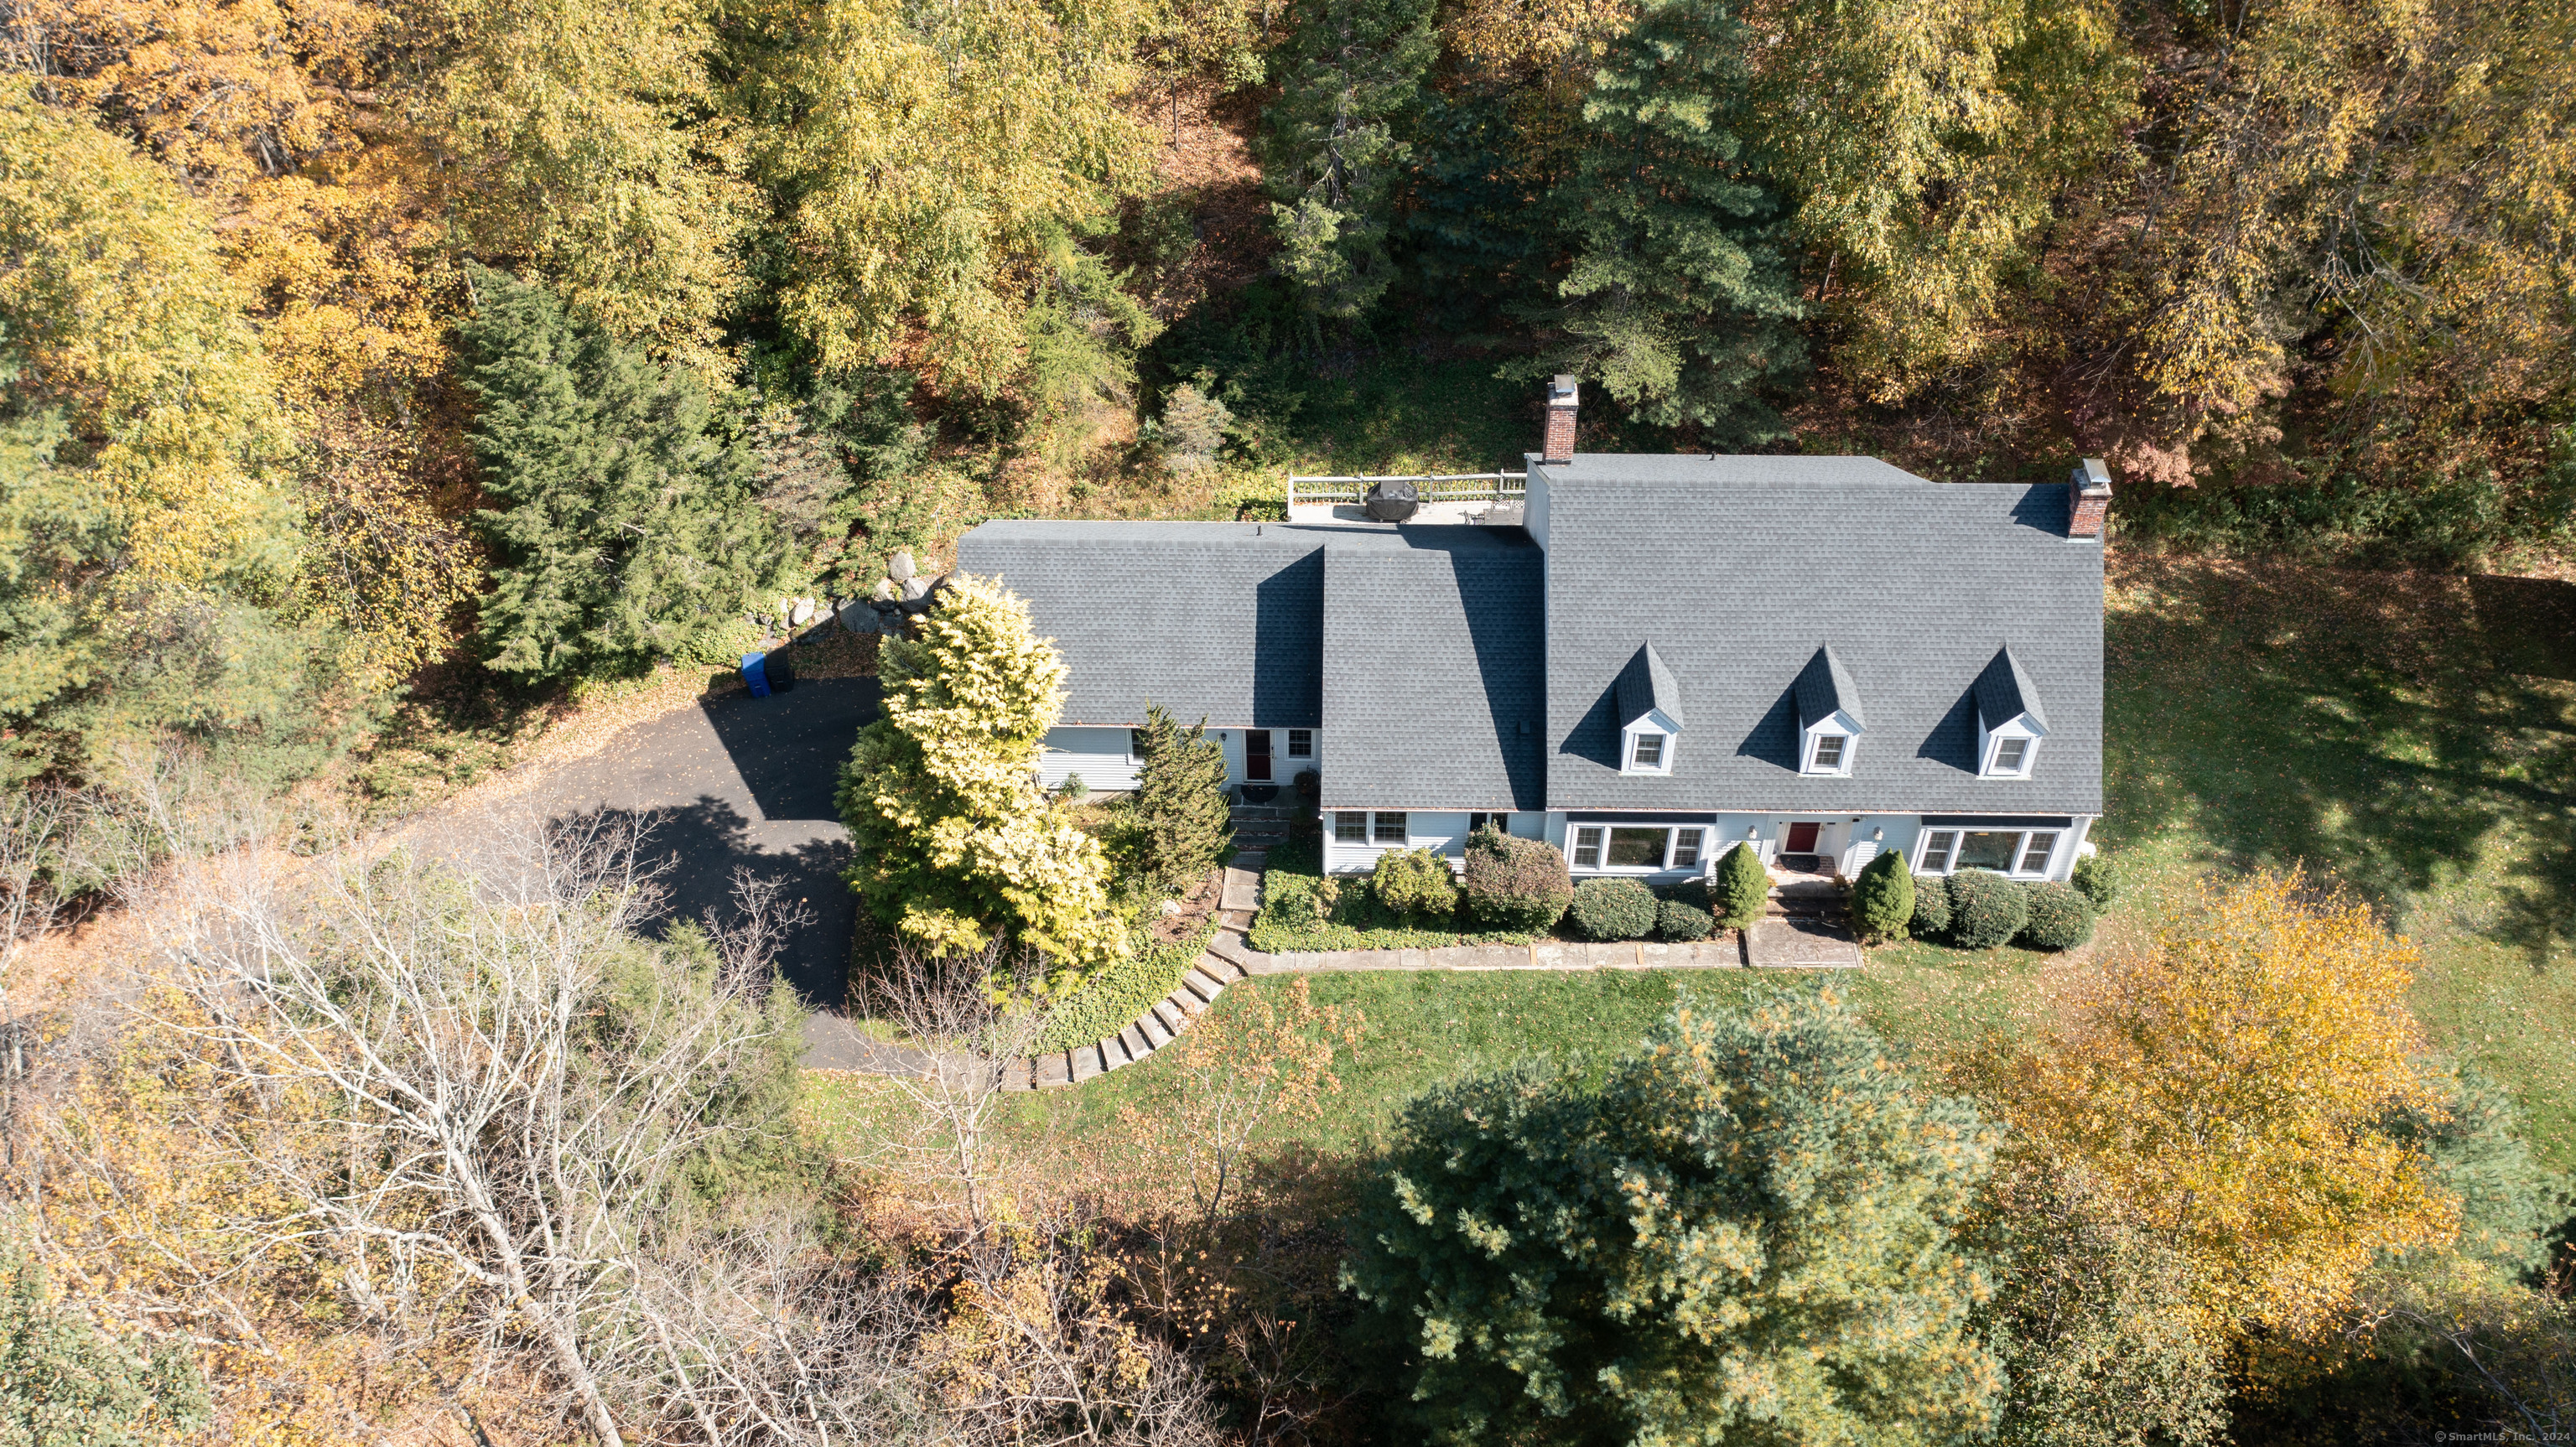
{"x":1415,"y":882}
{"x":1678,"y":920}
{"x":1516,"y":884}
{"x":1882,"y":901}
{"x":2098,"y":879}
{"x":1614,"y":909}
{"x":2060,"y":917}
{"x":1986,"y":909}
{"x":1743,"y":886}
{"x":1302,"y":911}
{"x":1931,"y":908}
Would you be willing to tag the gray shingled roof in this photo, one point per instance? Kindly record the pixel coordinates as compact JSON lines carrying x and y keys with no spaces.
{"x":1645,"y":685}
{"x":2005,"y":692}
{"x":1736,"y":568}
{"x":1225,"y":619}
{"x":1433,"y":674}
{"x":1825,"y":688}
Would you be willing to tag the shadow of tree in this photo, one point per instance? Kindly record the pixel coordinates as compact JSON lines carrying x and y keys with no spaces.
{"x":2408,"y":734}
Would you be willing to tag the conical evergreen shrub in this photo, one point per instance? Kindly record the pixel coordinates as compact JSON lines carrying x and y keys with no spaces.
{"x":1882,"y":901}
{"x":1742,"y":887}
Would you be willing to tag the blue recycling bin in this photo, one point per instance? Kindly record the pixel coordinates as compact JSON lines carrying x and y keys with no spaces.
{"x":756,"y":673}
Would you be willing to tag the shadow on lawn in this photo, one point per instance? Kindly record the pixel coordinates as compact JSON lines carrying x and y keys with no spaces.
{"x":2396,"y":730}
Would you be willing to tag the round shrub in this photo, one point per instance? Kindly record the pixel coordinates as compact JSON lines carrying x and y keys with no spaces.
{"x":1931,"y":908}
{"x":1986,"y":909}
{"x":1516,"y":884}
{"x":1415,"y":881}
{"x":1613,"y":909}
{"x":2098,"y":880}
{"x":1681,"y":920}
{"x":1882,"y":901}
{"x":1743,"y":886}
{"x":2060,"y":917}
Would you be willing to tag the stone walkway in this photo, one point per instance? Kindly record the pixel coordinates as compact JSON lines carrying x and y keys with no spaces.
{"x":1793,"y":942}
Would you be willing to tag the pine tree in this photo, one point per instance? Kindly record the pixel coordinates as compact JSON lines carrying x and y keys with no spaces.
{"x":1351,"y":72}
{"x":1680,"y":297}
{"x":954,"y":844}
{"x":630,"y":532}
{"x":1182,"y":820}
{"x":1745,"y":1234}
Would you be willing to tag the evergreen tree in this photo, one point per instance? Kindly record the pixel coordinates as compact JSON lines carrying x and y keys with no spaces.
{"x":1745,"y":1235}
{"x":1680,"y":297}
{"x":1182,"y":820}
{"x":630,"y":531}
{"x":953,"y":842}
{"x":1351,"y":71}
{"x":1743,"y":887}
{"x":1882,"y":899}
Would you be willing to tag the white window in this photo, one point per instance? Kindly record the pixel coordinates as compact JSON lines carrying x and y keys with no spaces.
{"x":1587,"y":847}
{"x":1390,"y":828}
{"x":2010,"y":755}
{"x":1301,"y":743}
{"x":1649,"y":752}
{"x":1686,"y":848}
{"x":1350,"y":828}
{"x":1829,"y":754}
{"x":2023,"y":853}
{"x":1638,"y":848}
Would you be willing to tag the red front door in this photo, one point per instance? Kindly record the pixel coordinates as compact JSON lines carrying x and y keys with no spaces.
{"x":1256,"y":755}
{"x":1802,"y":839}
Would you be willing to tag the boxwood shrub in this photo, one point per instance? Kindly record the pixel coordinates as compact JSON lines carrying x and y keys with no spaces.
{"x":1986,"y":909}
{"x":1931,"y":908}
{"x":1516,"y":884}
{"x":1416,"y":882}
{"x":1614,"y":909}
{"x":2098,"y":879}
{"x":2060,"y":917}
{"x":1681,"y":920}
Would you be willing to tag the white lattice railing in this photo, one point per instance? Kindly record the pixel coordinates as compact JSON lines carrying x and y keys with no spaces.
{"x":1436,"y":487}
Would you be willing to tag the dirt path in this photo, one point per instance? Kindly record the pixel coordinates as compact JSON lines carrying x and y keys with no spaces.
{"x":729,"y":781}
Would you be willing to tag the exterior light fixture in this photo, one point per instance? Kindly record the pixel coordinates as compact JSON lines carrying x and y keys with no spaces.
{"x":1878,"y":834}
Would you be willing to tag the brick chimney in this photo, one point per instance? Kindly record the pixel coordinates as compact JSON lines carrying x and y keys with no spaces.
{"x":2092,"y":499}
{"x":1559,"y":446}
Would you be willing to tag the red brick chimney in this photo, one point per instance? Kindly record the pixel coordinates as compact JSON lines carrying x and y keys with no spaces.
{"x":1559,"y":446}
{"x":2092,"y":498}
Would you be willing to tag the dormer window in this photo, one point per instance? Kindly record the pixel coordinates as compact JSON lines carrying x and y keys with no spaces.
{"x":1829,"y":721}
{"x":1649,"y":704}
{"x":2009,"y":722}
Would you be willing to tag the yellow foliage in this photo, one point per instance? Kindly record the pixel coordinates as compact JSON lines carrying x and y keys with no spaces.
{"x":123,"y":316}
{"x":2229,"y":1084}
{"x":934,"y":154}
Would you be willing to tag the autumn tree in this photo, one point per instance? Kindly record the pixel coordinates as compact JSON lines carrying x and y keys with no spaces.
{"x":628,"y":532}
{"x":954,"y":844}
{"x":64,"y":1380}
{"x":1746,"y":1230}
{"x":2234,"y":1085}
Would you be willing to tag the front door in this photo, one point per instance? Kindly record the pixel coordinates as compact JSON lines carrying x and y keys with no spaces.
{"x":1802,"y":839}
{"x":1256,"y":755}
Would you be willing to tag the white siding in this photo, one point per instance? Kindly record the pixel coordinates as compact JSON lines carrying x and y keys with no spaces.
{"x":1099,"y":755}
{"x":1441,"y":830}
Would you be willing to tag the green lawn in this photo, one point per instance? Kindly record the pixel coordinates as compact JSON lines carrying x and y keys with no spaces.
{"x":2409,"y":737}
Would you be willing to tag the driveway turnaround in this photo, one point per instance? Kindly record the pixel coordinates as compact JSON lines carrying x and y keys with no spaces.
{"x":736,"y":782}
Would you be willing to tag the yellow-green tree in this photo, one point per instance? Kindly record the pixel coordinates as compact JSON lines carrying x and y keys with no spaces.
{"x":2234,"y":1084}
{"x":954,"y":842}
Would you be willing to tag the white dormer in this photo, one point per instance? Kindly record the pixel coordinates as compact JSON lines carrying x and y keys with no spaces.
{"x":1829,"y":721}
{"x":2010,"y":726}
{"x":1650,"y":719}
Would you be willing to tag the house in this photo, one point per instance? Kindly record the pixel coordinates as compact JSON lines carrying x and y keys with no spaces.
{"x":1643,"y":659}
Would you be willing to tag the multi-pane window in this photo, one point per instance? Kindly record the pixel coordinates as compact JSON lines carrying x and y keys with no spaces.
{"x":1390,"y":828}
{"x":1479,"y":821}
{"x":1350,"y":828}
{"x":1686,"y":848}
{"x":2035,"y":851}
{"x":1636,"y":846}
{"x":1587,"y":847}
{"x":1650,"y":752}
{"x":1988,"y":849}
{"x":1938,"y":846}
{"x":1301,"y":743}
{"x":1829,"y":753}
{"x":2009,"y":754}
{"x":1136,"y":743}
